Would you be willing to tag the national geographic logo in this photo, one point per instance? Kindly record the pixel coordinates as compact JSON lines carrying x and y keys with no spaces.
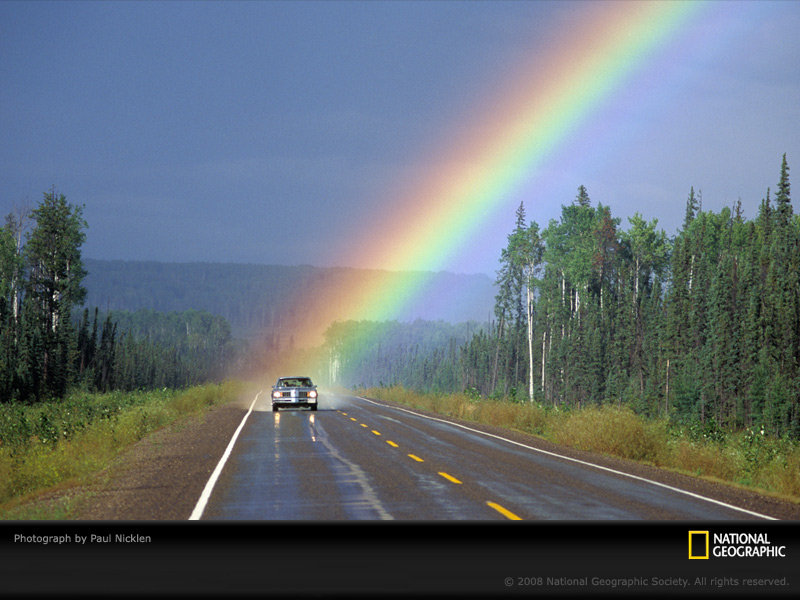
{"x":698,"y":545}
{"x":732,"y":545}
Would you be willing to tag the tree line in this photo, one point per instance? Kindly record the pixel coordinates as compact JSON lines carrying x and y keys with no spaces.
{"x":256,"y":299}
{"x":47,"y":345}
{"x":703,"y":326}
{"x":421,"y":355}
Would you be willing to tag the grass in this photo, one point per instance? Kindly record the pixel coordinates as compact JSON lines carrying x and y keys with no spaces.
{"x":59,"y":444}
{"x":746,"y":458}
{"x":53,"y":446}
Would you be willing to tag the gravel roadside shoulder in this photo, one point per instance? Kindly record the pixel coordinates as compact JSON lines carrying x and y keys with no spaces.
{"x":162,"y":476}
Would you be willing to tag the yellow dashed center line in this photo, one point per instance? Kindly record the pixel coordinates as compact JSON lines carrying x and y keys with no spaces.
{"x":506,"y":513}
{"x":503,"y":511}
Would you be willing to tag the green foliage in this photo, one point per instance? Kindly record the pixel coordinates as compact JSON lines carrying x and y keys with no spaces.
{"x":147,"y":349}
{"x":702,"y":328}
{"x":47,"y":347}
{"x":53,"y":442}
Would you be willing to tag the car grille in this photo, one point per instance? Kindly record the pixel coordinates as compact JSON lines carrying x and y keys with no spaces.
{"x":300,"y":394}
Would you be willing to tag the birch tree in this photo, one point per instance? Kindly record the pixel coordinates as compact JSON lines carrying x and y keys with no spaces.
{"x":526,"y":250}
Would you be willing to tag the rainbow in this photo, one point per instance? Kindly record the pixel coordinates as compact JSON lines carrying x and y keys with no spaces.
{"x":506,"y":141}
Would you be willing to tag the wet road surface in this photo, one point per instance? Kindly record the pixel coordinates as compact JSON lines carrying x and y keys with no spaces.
{"x":358,"y":459}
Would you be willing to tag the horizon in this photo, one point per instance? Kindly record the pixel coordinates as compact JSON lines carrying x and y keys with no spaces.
{"x":286,"y":266}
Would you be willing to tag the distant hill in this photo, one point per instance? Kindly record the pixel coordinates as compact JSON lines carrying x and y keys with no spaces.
{"x":250,"y":296}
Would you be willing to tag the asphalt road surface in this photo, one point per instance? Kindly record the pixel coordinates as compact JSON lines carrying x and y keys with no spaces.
{"x":358,"y":459}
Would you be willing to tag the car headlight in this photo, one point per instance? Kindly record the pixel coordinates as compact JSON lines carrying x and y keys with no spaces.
{"x":312,"y":394}
{"x":276,"y":394}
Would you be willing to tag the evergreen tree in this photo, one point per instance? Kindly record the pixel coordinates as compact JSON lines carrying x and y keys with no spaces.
{"x":582,"y":199}
{"x":649,"y":251}
{"x":692,"y":207}
{"x":9,"y":269}
{"x":55,"y":273}
{"x":783,"y":201}
{"x":510,"y":310}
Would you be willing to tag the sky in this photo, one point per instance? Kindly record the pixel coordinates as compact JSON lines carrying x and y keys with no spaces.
{"x":286,"y":132}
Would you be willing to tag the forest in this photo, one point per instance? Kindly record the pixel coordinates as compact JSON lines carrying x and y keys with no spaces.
{"x":253,"y":297}
{"x":48,"y":346}
{"x":701,"y":327}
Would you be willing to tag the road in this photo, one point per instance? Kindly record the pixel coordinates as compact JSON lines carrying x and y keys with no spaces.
{"x":359,"y":459}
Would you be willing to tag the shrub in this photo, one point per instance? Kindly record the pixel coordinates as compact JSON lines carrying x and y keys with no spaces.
{"x":611,"y":430}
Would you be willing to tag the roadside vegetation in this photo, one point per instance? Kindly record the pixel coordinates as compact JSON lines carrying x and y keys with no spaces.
{"x":61,"y":443}
{"x":78,"y":386}
{"x":748,"y":458}
{"x":702,"y":327}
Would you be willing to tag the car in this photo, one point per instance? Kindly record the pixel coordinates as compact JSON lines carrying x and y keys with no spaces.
{"x":294,"y":391}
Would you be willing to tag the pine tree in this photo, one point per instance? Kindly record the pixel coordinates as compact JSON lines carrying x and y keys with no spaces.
{"x":582,"y":199}
{"x":783,"y":201}
{"x":106,"y":356}
{"x":510,"y":310}
{"x":649,"y":254}
{"x":8,"y":323}
{"x":692,"y":207}
{"x":54,"y":286}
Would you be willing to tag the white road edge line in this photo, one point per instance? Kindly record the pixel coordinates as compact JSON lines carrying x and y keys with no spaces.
{"x":201,"y":503}
{"x":575,"y":460}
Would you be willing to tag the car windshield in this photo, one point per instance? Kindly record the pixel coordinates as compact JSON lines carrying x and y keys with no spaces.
{"x":294,"y":382}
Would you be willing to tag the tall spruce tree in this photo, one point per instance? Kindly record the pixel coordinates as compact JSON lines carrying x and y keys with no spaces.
{"x":55,"y":274}
{"x":783,"y":200}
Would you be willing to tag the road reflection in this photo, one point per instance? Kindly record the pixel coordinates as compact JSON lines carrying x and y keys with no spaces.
{"x":312,"y":423}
